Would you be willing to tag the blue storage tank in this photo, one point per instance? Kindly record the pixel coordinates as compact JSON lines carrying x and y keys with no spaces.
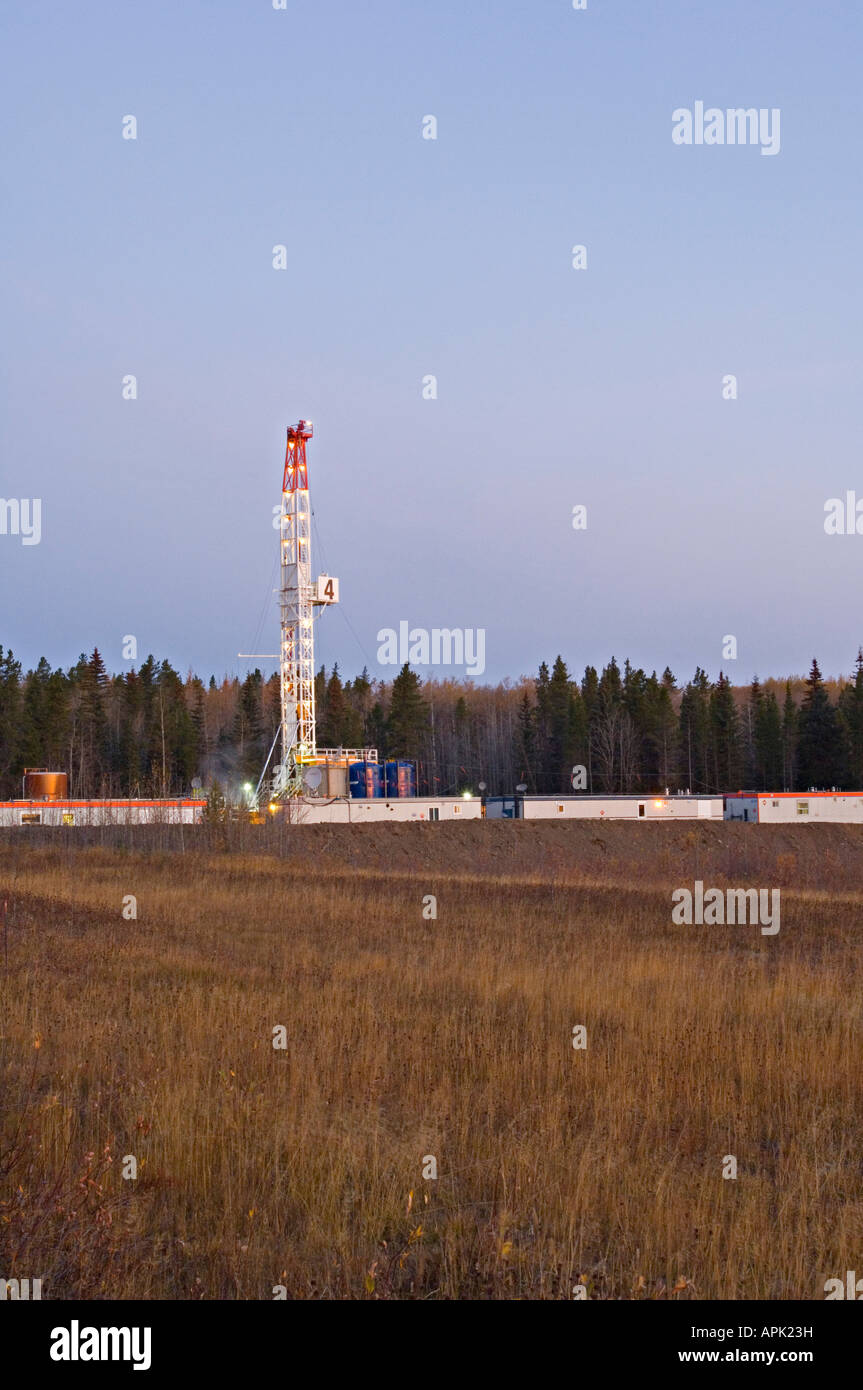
{"x":400,"y":778}
{"x":407,"y":779}
{"x":365,"y":779}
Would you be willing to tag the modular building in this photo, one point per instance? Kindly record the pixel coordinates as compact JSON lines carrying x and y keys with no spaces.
{"x":101,"y":812}
{"x":305,"y":810}
{"x":802,"y":808}
{"x":604,"y":807}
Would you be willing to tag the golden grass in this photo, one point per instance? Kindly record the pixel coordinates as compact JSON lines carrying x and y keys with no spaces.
{"x":408,"y":1038}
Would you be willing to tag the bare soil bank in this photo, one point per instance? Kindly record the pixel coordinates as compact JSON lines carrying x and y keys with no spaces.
{"x":816,"y":856}
{"x":823,"y":857}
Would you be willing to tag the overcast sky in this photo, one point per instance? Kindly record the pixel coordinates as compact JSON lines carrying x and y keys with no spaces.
{"x":409,"y":257}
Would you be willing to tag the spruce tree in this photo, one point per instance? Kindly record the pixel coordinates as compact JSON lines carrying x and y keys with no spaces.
{"x":542,"y":725}
{"x":249,"y":728}
{"x":590,"y":700}
{"x":768,"y":743}
{"x":524,"y":743}
{"x":636,"y":747}
{"x":659,"y":733}
{"x":694,"y":737}
{"x":819,"y":743}
{"x":727,"y":750}
{"x":93,"y":739}
{"x":752,"y":712}
{"x":408,"y":718}
{"x":331,"y":722}
{"x":851,"y":707}
{"x":609,"y":731}
{"x":560,"y":712}
{"x":789,"y":741}
{"x":129,"y":758}
{"x":10,"y":724}
{"x":36,"y":717}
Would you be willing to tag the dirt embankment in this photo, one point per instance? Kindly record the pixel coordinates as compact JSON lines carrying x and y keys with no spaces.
{"x":829,"y":857}
{"x":823,"y":857}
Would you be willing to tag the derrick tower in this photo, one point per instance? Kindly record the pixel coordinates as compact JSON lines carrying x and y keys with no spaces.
{"x":297,"y":648}
{"x":298,"y":597}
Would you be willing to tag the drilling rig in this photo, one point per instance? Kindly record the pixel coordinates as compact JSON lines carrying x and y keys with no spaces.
{"x":303,"y":764}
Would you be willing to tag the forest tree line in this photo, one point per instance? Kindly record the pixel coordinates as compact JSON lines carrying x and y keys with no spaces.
{"x":151,"y":732}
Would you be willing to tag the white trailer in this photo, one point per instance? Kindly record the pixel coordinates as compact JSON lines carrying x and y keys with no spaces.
{"x":605,"y":807}
{"x":799,"y":808}
{"x":62,"y":813}
{"x":306,"y":810}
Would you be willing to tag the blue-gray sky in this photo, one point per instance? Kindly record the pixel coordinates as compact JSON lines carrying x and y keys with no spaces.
{"x":408,"y":257}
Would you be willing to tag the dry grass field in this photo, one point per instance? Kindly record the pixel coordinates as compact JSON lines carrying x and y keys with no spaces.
{"x":407,"y":1038}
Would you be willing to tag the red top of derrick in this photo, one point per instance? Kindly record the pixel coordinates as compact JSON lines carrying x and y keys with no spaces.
{"x":296,"y":472}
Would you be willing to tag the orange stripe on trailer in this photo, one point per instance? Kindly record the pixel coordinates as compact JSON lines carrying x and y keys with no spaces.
{"x":94,"y":805}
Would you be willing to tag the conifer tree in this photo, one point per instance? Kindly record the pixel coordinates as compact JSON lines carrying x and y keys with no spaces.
{"x":851,"y":707}
{"x":789,"y":741}
{"x":408,"y":717}
{"x":93,"y":743}
{"x":819,"y":738}
{"x":659,"y":733}
{"x":560,"y":728}
{"x":524,"y":742}
{"x":331,"y":727}
{"x":542,"y":727}
{"x":249,"y":728}
{"x":726,"y":744}
{"x":768,"y":742}
{"x":695,"y":733}
{"x":10,"y":722}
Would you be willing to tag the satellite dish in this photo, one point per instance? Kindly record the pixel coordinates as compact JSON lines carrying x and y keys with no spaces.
{"x":313,"y":778}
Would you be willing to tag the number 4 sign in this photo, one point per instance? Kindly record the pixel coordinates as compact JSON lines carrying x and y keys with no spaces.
{"x":327,"y":589}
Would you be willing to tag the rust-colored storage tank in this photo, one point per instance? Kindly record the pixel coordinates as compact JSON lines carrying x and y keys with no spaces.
{"x":40,"y":785}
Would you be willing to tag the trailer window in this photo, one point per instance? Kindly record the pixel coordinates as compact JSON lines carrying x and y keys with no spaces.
{"x":803,"y":808}
{"x":31,"y":817}
{"x":641,"y":808}
{"x":434,"y":813}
